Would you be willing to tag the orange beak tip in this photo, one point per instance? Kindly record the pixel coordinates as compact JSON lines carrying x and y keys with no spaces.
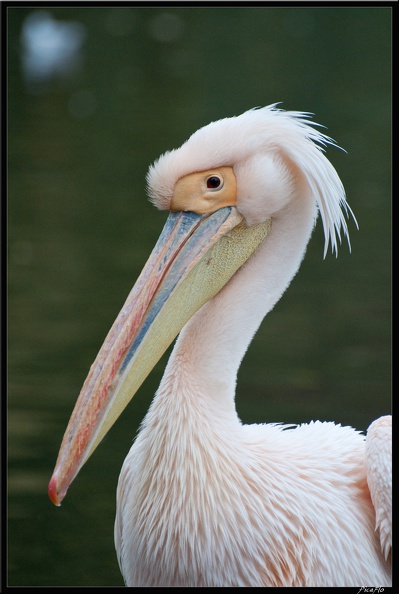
{"x":52,"y":491}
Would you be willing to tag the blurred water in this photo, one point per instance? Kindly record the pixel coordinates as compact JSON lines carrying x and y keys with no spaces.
{"x":51,"y":48}
{"x":95,"y":97}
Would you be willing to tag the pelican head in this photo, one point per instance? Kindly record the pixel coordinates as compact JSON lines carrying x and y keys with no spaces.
{"x":228,"y":188}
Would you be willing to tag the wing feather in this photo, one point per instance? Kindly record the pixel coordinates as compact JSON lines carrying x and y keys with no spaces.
{"x":378,"y":464}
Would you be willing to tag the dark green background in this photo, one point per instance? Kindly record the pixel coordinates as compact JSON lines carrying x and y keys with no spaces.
{"x":80,"y":229}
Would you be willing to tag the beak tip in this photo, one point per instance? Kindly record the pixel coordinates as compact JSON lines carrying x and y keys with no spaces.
{"x":52,"y":491}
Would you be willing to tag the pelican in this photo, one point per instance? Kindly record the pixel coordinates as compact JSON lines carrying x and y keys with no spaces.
{"x":202,"y":499}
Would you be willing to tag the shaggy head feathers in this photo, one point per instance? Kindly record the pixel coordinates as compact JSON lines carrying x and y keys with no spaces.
{"x":242,"y":142}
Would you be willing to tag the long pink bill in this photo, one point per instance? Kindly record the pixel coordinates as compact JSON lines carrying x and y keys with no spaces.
{"x":183,"y":241}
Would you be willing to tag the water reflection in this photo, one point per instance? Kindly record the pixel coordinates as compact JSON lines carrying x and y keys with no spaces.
{"x":21,"y":252}
{"x":166,"y":27}
{"x":299,"y":24}
{"x":82,"y":103}
{"x":120,"y":21}
{"x":50,"y":48}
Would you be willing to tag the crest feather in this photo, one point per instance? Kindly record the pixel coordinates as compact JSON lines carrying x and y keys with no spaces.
{"x":228,"y":141}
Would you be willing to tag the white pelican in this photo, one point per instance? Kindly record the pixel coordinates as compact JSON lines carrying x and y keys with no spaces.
{"x":202,"y":499}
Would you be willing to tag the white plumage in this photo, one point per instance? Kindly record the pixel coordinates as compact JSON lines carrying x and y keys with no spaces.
{"x":202,"y":499}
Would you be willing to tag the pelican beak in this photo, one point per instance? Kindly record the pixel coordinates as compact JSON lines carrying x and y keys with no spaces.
{"x":193,"y":259}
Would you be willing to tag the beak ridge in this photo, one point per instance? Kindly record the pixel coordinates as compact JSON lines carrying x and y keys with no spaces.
{"x":175,"y":282}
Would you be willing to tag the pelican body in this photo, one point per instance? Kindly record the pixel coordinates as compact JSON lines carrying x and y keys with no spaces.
{"x":202,"y":499}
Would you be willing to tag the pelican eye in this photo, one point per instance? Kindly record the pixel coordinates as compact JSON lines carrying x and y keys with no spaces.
{"x":214,"y":182}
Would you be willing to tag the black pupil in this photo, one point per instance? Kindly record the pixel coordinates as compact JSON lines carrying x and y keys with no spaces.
{"x":213,"y":182}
